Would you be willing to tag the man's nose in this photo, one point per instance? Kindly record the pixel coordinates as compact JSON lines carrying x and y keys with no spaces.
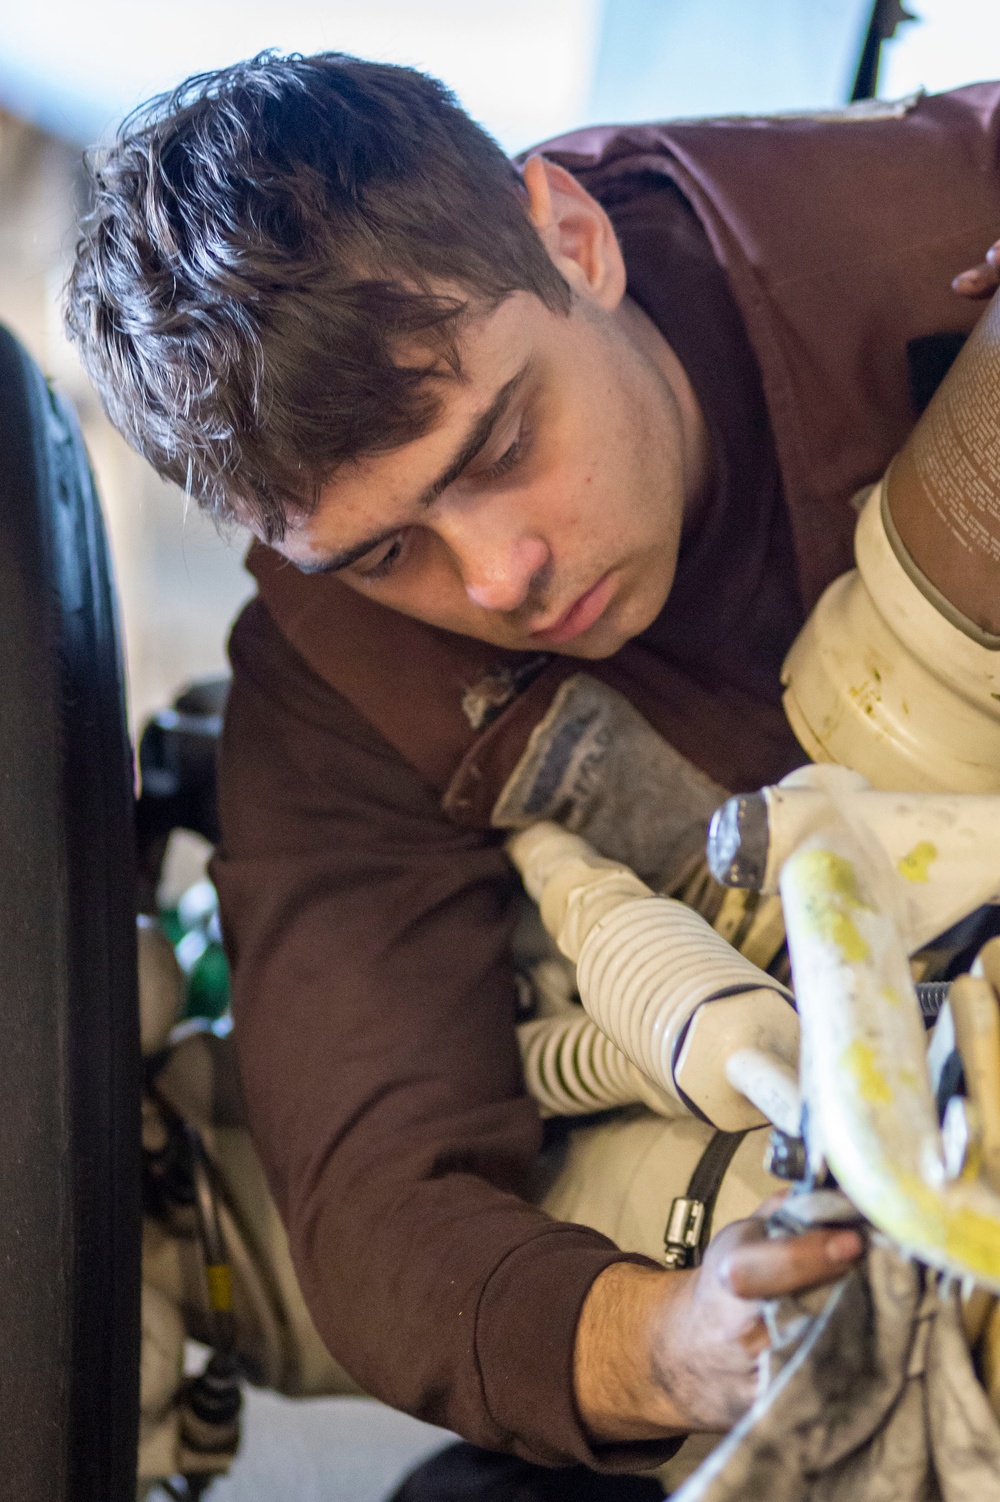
{"x":499,"y":573}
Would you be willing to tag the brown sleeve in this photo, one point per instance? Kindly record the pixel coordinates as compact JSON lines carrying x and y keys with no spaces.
{"x":374,"y":1019}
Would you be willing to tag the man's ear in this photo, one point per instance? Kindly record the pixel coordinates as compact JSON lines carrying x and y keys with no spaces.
{"x":575,"y":231}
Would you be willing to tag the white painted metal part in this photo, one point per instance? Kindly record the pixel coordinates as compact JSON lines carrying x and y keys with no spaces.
{"x":942,"y":849}
{"x":879,"y":679}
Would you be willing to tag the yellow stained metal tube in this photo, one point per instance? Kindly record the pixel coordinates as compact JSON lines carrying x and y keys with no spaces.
{"x":871,"y":1108}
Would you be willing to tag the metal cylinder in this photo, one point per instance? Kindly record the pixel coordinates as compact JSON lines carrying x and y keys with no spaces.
{"x":943,"y":488}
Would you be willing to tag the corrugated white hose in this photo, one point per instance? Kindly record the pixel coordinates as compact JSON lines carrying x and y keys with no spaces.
{"x":572,"y":1068}
{"x":647,"y":966}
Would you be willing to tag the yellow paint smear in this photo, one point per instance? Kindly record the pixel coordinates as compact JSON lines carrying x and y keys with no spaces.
{"x":921,"y":1218}
{"x":830,"y":889}
{"x":967,"y":1235}
{"x":916,"y":864}
{"x":859,"y":1061}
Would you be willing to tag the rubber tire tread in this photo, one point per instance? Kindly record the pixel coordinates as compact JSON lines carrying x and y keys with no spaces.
{"x":70,"y":1212}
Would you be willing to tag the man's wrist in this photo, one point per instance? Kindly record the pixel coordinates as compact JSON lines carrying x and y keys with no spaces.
{"x":618,"y":1394}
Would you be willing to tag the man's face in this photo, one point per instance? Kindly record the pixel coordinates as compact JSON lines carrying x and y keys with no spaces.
{"x":543,"y":512}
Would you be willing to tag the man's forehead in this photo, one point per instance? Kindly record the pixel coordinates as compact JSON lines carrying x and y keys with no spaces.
{"x":386,"y":491}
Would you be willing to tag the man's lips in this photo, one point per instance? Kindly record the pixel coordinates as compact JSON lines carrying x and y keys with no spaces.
{"x":580,"y":616}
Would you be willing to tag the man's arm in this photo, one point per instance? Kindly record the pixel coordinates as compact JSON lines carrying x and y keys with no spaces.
{"x":374,"y":1007}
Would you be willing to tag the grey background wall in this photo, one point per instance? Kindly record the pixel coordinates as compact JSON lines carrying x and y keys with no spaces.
{"x":179,"y":584}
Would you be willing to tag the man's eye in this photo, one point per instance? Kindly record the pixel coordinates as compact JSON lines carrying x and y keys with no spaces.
{"x":384,"y":561}
{"x":508,"y":459}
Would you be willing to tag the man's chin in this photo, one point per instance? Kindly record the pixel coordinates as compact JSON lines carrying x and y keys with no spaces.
{"x":590,"y":645}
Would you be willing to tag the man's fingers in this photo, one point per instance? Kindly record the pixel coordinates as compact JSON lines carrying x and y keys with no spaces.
{"x":981,"y":280}
{"x":766,"y":1268}
{"x":978,"y":281}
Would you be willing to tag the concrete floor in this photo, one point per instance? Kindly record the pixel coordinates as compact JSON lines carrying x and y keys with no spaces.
{"x":322,"y":1450}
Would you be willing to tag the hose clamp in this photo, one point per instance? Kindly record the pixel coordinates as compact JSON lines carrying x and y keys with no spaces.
{"x":682,"y":1236}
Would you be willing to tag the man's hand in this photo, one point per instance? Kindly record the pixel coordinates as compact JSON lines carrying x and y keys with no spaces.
{"x":664,"y":1353}
{"x":982,"y":280}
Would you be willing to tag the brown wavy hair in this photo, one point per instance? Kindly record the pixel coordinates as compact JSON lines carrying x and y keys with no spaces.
{"x":272,"y":277}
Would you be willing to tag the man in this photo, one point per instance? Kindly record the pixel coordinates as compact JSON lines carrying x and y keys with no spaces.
{"x":492,"y":427}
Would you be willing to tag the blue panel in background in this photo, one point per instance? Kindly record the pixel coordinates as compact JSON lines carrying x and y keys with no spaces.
{"x":669,"y":58}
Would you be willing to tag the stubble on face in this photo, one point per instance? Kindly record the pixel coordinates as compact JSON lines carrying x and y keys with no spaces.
{"x":646,"y":497}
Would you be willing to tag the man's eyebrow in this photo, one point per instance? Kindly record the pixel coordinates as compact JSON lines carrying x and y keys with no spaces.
{"x":346,"y":556}
{"x":475,"y":441}
{"x":478,"y":437}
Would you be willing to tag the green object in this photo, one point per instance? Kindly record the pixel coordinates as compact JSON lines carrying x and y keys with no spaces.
{"x":208,"y":990}
{"x":203,"y":961}
{"x":171,"y":925}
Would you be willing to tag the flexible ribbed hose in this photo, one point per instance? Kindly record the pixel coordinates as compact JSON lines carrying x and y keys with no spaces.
{"x":572,"y":1068}
{"x":645,"y":967}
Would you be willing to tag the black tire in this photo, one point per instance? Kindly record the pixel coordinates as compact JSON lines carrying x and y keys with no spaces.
{"x":69,"y":1049}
